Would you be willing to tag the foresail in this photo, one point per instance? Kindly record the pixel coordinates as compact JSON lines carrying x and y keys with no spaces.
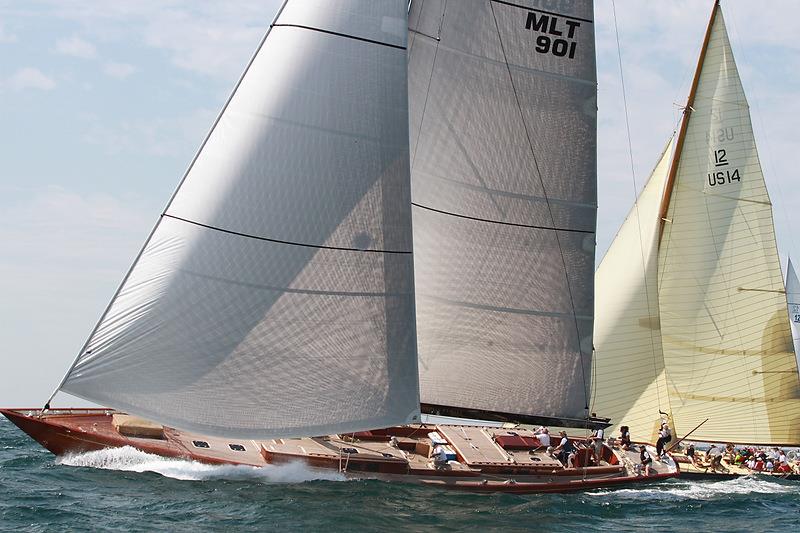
{"x":793,"y":298}
{"x":726,"y":341}
{"x":503,"y":141}
{"x":275,"y":296}
{"x":629,"y":384}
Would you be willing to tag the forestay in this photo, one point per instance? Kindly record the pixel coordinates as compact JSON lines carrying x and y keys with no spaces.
{"x":726,"y":341}
{"x":503,"y":142}
{"x":275,"y":296}
{"x":629,"y":383}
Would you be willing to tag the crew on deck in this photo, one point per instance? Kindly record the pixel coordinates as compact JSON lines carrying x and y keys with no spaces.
{"x":565,"y":451}
{"x":625,"y":438}
{"x":645,"y":460}
{"x":664,"y":436}
{"x":543,"y":435}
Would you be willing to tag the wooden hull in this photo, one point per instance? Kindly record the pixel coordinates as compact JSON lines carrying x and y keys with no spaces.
{"x":726,"y":472}
{"x":392,"y":454}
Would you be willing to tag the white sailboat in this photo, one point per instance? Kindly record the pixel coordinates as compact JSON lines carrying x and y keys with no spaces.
{"x":271,"y":314}
{"x":690,"y":310}
{"x":793,"y":299}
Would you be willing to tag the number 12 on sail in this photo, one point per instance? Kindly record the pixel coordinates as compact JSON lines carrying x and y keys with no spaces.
{"x":722,"y":176}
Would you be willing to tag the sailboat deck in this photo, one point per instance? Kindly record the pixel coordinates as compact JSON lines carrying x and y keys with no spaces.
{"x":333,"y":447}
{"x":476,"y":446}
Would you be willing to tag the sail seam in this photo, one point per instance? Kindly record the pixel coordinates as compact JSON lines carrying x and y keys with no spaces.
{"x":542,"y":11}
{"x":431,"y":37}
{"x":279,"y":241}
{"x":532,"y":226}
{"x":508,"y":194}
{"x":510,"y":310}
{"x":345,"y":35}
{"x":293,"y":290}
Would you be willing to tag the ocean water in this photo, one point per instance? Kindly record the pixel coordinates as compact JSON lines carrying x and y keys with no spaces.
{"x":127,"y":490}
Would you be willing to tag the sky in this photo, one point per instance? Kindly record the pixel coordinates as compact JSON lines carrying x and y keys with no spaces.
{"x":103,"y":104}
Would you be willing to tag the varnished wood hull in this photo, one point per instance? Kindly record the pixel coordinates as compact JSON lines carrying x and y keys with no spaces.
{"x":73,"y":431}
{"x":727,"y":472}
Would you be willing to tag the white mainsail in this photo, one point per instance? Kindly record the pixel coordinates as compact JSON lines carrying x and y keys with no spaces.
{"x":503,"y":149}
{"x":275,"y":295}
{"x":793,"y":299}
{"x":725,"y":342}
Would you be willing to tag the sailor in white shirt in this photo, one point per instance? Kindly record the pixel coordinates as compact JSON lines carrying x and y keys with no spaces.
{"x":543,"y":434}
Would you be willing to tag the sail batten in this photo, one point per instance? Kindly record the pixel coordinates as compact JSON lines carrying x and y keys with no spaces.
{"x":504,"y":195}
{"x":275,"y":297}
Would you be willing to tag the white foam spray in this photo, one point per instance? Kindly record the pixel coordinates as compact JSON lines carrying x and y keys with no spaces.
{"x":129,"y":459}
{"x":682,"y":489}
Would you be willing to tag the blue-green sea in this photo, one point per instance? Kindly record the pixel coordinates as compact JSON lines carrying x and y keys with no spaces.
{"x":126,"y":490}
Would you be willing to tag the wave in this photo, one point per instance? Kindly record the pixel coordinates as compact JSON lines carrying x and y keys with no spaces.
{"x":681,"y":489}
{"x":129,"y":459}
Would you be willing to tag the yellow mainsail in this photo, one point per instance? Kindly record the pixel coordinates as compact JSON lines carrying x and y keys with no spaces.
{"x":725,"y":341}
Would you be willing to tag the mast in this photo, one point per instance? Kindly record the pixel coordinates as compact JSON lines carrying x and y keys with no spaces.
{"x":687,"y":113}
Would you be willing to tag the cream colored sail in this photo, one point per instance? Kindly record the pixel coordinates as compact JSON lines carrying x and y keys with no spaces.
{"x":727,"y":345}
{"x":629,"y":385}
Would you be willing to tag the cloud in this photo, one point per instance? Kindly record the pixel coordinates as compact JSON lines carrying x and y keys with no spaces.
{"x":209,"y":38}
{"x":201,"y":44}
{"x":76,"y":47}
{"x":118,"y":70}
{"x":29,"y":78}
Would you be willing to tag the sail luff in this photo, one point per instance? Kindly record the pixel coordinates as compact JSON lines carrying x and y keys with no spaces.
{"x":687,"y":113}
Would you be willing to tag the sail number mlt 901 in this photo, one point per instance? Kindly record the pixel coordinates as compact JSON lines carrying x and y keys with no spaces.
{"x":557,"y":34}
